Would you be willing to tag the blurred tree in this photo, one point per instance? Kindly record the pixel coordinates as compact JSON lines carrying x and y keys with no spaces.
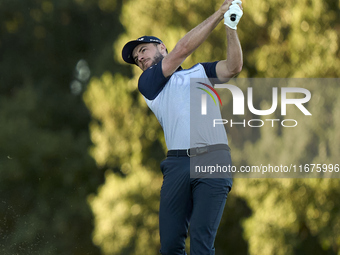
{"x":289,"y":216}
{"x":48,"y":50}
{"x":44,"y":183}
{"x":127,"y":213}
{"x":295,"y":216}
{"x":126,"y":139}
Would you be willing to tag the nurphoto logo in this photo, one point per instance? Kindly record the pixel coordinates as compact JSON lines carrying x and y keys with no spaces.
{"x":239,"y":104}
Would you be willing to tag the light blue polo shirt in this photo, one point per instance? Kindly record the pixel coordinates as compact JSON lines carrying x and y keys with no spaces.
{"x":169,"y":99}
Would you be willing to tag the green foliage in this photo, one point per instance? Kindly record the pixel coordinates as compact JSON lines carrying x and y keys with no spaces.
{"x":124,"y":132}
{"x":126,"y":139}
{"x":127,"y":213}
{"x":44,"y":182}
{"x":295,"y":216}
{"x":293,"y":39}
{"x":46,"y":172}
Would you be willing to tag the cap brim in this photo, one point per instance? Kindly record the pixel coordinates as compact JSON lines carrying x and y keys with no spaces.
{"x":128,"y":49}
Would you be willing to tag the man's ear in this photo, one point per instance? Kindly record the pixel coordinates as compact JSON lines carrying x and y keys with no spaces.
{"x":162,"y":49}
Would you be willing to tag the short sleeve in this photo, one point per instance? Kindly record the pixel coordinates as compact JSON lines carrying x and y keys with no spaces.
{"x":152,"y":81}
{"x":210,"y":69}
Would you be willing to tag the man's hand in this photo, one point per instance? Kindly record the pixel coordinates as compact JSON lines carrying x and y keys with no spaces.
{"x":235,"y":9}
{"x":225,"y":6}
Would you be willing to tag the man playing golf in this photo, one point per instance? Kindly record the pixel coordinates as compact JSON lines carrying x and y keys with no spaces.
{"x":166,"y":89}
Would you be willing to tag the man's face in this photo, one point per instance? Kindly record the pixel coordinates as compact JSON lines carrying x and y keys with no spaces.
{"x":146,"y":55}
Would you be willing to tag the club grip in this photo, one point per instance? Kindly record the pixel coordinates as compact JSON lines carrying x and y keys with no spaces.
{"x":233,"y":17}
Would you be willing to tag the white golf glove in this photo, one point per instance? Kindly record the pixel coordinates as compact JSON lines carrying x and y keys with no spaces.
{"x":233,"y":9}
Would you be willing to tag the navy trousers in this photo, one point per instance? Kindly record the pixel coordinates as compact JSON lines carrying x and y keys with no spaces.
{"x":198,"y":202}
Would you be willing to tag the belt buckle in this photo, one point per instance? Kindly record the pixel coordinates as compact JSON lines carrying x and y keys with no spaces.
{"x":198,"y":150}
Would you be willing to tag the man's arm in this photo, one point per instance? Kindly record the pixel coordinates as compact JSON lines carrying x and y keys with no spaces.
{"x":192,"y":40}
{"x":227,"y":69}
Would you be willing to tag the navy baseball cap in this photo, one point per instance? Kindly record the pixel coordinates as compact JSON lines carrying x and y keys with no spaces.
{"x":130,"y":46}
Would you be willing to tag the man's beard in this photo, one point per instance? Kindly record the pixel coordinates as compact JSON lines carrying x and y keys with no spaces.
{"x":158,"y":57}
